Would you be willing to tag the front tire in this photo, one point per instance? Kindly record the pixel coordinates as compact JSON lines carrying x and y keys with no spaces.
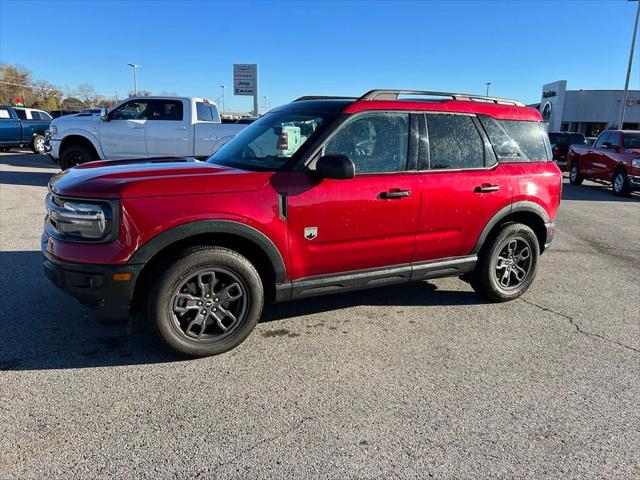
{"x":620,"y":183}
{"x":575,"y":178}
{"x":37,"y":145}
{"x":508,"y":264}
{"x":75,"y":155}
{"x":206,"y":302}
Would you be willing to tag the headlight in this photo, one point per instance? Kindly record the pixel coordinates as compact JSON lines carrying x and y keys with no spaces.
{"x":79,"y":220}
{"x":53,"y":130}
{"x":635,"y":163}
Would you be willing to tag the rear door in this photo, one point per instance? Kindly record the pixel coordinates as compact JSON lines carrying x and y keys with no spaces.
{"x":168,"y":133}
{"x":123,"y":136}
{"x":365,"y":222}
{"x":10,"y":129}
{"x":462,"y":185}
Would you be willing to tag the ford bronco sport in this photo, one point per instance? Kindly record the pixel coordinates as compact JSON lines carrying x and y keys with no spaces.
{"x":319,"y":196}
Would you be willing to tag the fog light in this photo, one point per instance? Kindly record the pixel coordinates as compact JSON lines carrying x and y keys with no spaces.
{"x":121,"y":277}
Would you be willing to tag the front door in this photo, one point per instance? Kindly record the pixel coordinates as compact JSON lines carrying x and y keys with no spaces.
{"x":9,"y":128}
{"x":365,"y":222}
{"x":123,"y":136}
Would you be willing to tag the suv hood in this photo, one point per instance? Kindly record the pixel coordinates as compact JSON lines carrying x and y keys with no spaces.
{"x":153,"y":177}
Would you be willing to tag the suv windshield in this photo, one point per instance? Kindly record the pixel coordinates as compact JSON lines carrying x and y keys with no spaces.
{"x":632,"y":140}
{"x":269,"y":143}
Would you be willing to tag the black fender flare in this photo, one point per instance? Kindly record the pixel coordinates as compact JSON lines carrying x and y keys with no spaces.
{"x":158,"y":243}
{"x":521,"y":206}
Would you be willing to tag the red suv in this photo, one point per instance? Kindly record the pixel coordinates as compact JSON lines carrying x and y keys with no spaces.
{"x":319,"y":196}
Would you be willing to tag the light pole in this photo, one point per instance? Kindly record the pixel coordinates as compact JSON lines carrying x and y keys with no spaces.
{"x":222,"y":87}
{"x":135,"y":82}
{"x":487,"y":84}
{"x":265,"y":104}
{"x":626,"y":83}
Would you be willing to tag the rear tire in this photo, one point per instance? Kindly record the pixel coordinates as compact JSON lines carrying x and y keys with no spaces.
{"x":75,"y":154}
{"x":206,"y":302}
{"x":507,"y":264}
{"x":620,"y":183}
{"x":575,"y":178}
{"x":37,"y":145}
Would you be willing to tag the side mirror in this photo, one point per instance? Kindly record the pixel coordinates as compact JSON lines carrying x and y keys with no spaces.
{"x":104,"y":115}
{"x":339,"y":167}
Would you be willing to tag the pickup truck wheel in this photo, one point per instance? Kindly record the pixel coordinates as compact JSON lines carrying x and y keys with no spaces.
{"x":508,"y":264}
{"x":75,"y":155}
{"x":575,"y":178}
{"x":620,"y":183}
{"x":206,"y":302}
{"x":37,"y":145}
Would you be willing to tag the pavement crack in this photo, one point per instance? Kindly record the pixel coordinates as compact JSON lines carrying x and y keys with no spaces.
{"x":579,"y":329}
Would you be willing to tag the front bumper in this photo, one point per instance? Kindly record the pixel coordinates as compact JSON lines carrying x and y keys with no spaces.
{"x":52,"y":147}
{"x":93,"y":285}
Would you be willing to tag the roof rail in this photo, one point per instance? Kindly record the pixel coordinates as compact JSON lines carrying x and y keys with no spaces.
{"x":388,"y":94}
{"x":322,"y":97}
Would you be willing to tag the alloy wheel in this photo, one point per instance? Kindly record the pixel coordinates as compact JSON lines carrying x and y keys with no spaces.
{"x":513,"y":264}
{"x":209,"y":304}
{"x":618,"y":182}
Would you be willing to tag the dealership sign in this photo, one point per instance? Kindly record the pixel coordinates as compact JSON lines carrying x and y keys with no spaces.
{"x":245,"y":79}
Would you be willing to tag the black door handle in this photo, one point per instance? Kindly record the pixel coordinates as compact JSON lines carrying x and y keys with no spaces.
{"x":486,"y":187}
{"x":395,"y":194}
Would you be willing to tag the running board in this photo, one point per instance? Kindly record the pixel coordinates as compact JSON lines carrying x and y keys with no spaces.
{"x":370,"y":278}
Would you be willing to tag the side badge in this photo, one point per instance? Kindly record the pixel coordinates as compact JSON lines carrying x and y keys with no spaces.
{"x":310,"y":232}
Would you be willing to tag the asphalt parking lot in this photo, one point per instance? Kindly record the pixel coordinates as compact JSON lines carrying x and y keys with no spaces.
{"x":416,"y":381}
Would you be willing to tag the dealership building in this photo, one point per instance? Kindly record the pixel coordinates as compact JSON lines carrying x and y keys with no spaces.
{"x":587,"y":111}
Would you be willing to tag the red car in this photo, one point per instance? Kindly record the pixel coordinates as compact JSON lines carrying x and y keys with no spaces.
{"x":614,"y":157}
{"x":319,"y":196}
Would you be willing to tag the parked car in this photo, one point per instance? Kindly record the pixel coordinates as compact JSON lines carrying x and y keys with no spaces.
{"x":20,"y":128}
{"x":140,"y":127}
{"x":32,"y":114}
{"x":315,"y":197}
{"x":614,"y":158}
{"x":591,"y":140}
{"x":560,"y":142}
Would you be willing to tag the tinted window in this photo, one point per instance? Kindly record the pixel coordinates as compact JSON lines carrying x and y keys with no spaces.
{"x":529,"y":137}
{"x":566,"y":139}
{"x":614,"y":140}
{"x":204,"y":112}
{"x":454,"y":142}
{"x":44,"y":116}
{"x":35,"y":115}
{"x":376,"y":143}
{"x":631,"y":140}
{"x":22,"y":114}
{"x":603,"y":138}
{"x":165,"y":110}
{"x":517,"y":141}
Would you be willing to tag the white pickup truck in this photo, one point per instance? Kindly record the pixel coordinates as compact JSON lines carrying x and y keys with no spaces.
{"x":140,"y":127}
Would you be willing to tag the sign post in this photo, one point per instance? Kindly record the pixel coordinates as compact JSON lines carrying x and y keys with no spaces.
{"x":245,"y":82}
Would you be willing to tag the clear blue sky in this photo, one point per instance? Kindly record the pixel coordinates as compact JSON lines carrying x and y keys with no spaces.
{"x":340,"y":48}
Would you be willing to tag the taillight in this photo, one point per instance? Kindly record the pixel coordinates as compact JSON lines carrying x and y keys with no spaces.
{"x":283,"y":141}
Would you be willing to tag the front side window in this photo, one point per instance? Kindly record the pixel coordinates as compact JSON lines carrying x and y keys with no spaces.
{"x":632,"y":140}
{"x":602,"y":139}
{"x":133,"y":110}
{"x":375,"y":142}
{"x":270,"y":142}
{"x":454,"y":142}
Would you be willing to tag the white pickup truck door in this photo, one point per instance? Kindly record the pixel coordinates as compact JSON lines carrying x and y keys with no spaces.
{"x":123,"y":136}
{"x":168,"y":133}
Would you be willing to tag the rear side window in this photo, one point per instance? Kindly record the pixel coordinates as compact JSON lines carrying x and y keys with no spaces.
{"x":517,"y":141}
{"x":166,"y":110}
{"x":454,"y":142}
{"x":204,"y":112}
{"x":4,"y":114}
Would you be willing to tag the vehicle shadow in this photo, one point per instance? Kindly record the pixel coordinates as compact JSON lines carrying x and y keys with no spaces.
{"x":27,"y":175}
{"x":34,"y":179}
{"x":28,"y":160}
{"x":45,"y":329}
{"x":594,"y":192}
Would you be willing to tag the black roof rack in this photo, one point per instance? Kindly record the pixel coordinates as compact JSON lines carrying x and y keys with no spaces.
{"x":321,"y":97}
{"x":388,"y":94}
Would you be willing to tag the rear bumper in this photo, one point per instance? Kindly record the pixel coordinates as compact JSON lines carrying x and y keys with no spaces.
{"x":551,"y":231}
{"x":93,"y":285}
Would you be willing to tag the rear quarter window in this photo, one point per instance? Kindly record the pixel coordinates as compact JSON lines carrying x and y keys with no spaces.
{"x":518,"y":141}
